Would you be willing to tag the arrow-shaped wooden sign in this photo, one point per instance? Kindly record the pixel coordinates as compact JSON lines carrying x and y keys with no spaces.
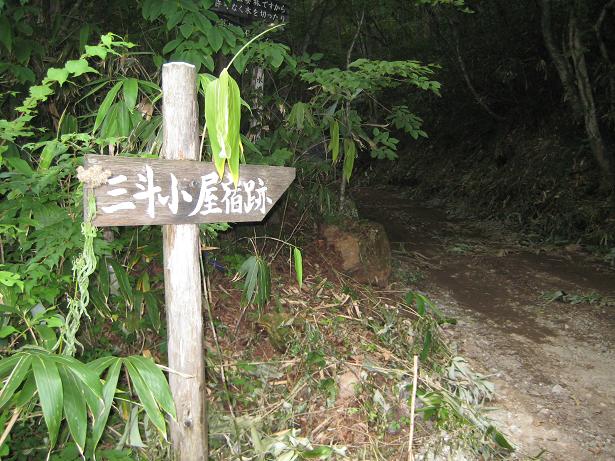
{"x":143,"y":191}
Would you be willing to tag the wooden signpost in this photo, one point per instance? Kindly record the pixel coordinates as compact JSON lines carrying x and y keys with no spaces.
{"x":180,"y":192}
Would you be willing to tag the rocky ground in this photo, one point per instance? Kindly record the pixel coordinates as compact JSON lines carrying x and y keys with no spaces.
{"x":539,"y":321}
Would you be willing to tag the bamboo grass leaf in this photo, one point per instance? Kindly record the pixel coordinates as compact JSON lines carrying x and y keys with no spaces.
{"x":114,"y":365}
{"x":105,"y":105}
{"x":146,"y":397}
{"x":50,"y":393}
{"x":156,"y":381}
{"x":298,"y":259}
{"x":20,"y":370}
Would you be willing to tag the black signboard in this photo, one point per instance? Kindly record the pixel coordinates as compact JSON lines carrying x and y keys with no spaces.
{"x":253,"y":10}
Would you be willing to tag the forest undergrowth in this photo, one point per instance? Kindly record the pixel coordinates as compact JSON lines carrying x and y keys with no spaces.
{"x":535,"y":179}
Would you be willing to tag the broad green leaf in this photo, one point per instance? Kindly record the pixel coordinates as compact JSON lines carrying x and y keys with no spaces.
{"x":51,"y":150}
{"x":87,"y":380}
{"x":74,"y":408}
{"x":6,"y":331}
{"x":103,"y":277}
{"x":123,"y":281}
{"x":97,"y":50}
{"x":7,"y":364}
{"x":350,"y":153}
{"x":106,"y":104}
{"x":79,"y":67}
{"x":223,"y":117}
{"x":186,"y":29}
{"x":146,"y":397}
{"x":6,"y":33}
{"x":27,"y":392}
{"x":153,"y":312}
{"x":114,"y":364}
{"x":334,"y":145}
{"x":101,"y":364}
{"x":40,"y":92}
{"x":50,"y":393}
{"x":215,"y":39}
{"x":157,"y":382}
{"x":18,"y":374}
{"x":171,"y":45}
{"x":57,"y":75}
{"x":277,"y":57}
{"x":298,"y":265}
{"x":131,"y":92}
{"x":20,"y":165}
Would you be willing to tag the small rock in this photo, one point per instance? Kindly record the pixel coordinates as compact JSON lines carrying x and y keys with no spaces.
{"x":558,"y":390}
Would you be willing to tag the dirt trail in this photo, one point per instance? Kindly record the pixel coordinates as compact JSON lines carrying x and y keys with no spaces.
{"x":553,"y":362}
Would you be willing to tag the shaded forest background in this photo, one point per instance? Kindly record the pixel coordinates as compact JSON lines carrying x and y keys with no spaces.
{"x":522,"y":130}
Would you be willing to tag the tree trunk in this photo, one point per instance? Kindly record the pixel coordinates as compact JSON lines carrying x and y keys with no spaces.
{"x":564,"y":70}
{"x":578,"y":89}
{"x":590,"y":116}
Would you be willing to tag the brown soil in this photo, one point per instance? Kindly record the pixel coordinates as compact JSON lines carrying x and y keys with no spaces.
{"x":553,"y":362}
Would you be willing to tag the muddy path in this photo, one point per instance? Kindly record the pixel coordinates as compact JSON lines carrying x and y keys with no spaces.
{"x":539,"y":322}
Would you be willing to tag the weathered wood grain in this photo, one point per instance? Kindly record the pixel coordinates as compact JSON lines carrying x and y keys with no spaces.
{"x":231,"y":205}
{"x":182,"y":273}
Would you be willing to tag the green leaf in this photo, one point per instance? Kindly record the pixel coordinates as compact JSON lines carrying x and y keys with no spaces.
{"x":114,"y":364}
{"x":6,"y":33}
{"x":153,"y":313}
{"x":7,"y":364}
{"x":74,"y":408}
{"x":51,"y":150}
{"x":317,"y":453}
{"x":298,"y":265}
{"x":40,"y":92}
{"x":215,"y":38}
{"x":21,"y":166}
{"x":6,"y":331}
{"x":50,"y":393}
{"x":131,"y":92}
{"x":57,"y":75}
{"x":103,"y":277}
{"x":249,"y":270}
{"x":171,"y":45}
{"x":334,"y":145}
{"x":426,"y":345}
{"x":277,"y":57}
{"x":123,"y":281}
{"x":146,"y":398}
{"x":350,"y":153}
{"x":79,"y":67}
{"x":156,"y":381}
{"x":186,"y":29}
{"x":87,"y":380}
{"x":18,"y":374}
{"x":106,"y":104}
{"x":223,"y":116}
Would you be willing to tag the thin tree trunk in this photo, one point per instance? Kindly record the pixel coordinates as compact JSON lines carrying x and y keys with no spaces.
{"x":605,"y":53}
{"x":348,"y":57}
{"x":586,"y":96}
{"x":560,"y":62}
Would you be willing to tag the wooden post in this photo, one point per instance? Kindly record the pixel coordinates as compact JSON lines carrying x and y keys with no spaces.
{"x":182,"y":274}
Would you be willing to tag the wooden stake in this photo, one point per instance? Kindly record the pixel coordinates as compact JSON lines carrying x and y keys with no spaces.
{"x":415,"y":381}
{"x":182,"y":277}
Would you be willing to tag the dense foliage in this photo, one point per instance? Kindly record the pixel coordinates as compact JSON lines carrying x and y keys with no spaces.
{"x":349,"y":85}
